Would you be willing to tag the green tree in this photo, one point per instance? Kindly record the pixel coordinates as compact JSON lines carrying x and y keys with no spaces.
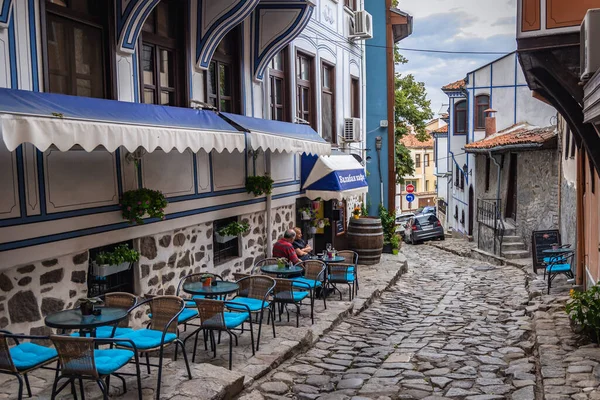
{"x":411,"y":108}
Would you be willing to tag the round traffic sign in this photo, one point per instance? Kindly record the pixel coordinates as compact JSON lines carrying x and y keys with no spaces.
{"x":410,"y":197}
{"x":410,"y":188}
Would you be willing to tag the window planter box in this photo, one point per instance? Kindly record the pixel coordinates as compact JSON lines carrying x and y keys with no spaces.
{"x":106,"y":270}
{"x":224,"y":239}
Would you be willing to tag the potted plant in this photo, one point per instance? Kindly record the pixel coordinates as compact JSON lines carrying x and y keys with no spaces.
{"x":259,"y":185}
{"x":110,"y":262}
{"x":395,"y":242}
{"x":312,"y":230}
{"x":356,"y":212}
{"x":306,"y":213}
{"x":231,"y":231}
{"x":206,"y":279}
{"x":139,"y":202}
{"x":282,"y":263}
{"x":86,"y":306}
{"x":584,"y":311}
{"x":322,"y":223}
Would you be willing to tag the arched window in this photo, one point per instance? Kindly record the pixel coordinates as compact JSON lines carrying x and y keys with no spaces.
{"x":482,"y":103}
{"x":462,"y":217}
{"x":460,"y":117}
{"x":456,"y":212}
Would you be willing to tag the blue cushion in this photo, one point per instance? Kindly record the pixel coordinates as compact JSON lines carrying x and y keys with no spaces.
{"x":253,"y":304}
{"x":146,"y":338}
{"x":310,"y":282}
{"x":105,"y":332}
{"x":185,"y":315}
{"x":340,"y":277}
{"x":235,"y":319}
{"x":297,"y":296}
{"x":110,"y":360}
{"x":28,"y":355}
{"x":559,"y":268}
{"x":351,"y":268}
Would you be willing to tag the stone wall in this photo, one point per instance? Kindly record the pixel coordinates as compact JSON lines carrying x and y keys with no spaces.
{"x":30,"y":292}
{"x":283,"y":218}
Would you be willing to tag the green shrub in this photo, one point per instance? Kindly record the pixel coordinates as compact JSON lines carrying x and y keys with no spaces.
{"x":121,"y":254}
{"x":584,"y":310}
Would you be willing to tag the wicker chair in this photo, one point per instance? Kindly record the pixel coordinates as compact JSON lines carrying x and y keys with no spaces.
{"x":80,"y":360}
{"x":160,"y":333}
{"x":22,"y":358}
{"x":350,"y":255}
{"x":314,"y":277}
{"x":284,"y":294}
{"x":342,"y":274}
{"x":263,"y":262}
{"x":120,"y":300}
{"x":215,"y":318}
{"x":253,"y":296}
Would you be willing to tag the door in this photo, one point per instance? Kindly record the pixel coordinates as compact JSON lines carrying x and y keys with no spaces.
{"x":471,"y":209}
{"x":511,"y":192}
{"x":591,"y":208}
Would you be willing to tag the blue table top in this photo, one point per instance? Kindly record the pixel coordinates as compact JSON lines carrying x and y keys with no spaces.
{"x":558,"y":251}
{"x":72,"y":319}
{"x":285,"y":271}
{"x":222,"y":287}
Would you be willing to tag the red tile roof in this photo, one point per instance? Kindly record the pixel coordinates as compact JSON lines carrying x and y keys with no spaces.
{"x":411,"y":142}
{"x":443,"y":129}
{"x":519,"y":134}
{"x":455,"y":85}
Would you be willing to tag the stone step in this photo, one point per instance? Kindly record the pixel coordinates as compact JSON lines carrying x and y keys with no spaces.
{"x":512,"y":239}
{"x":509,"y":246}
{"x":514,"y":254}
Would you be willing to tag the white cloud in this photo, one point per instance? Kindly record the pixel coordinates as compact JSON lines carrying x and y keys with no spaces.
{"x":455,"y":25}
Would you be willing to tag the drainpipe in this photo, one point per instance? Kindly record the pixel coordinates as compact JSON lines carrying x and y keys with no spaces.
{"x":269,"y":219}
{"x":378,"y":146}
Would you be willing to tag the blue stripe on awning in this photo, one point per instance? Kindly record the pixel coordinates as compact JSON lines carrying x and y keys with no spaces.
{"x":340,"y":181}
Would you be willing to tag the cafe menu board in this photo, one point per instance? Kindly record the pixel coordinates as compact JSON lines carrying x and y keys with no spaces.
{"x":340,"y":225}
{"x":540,"y":241}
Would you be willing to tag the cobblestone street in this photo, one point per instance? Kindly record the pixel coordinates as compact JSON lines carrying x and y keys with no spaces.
{"x":452,"y":327}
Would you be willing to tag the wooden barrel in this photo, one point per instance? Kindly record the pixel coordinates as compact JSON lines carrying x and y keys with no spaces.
{"x":365,"y":236}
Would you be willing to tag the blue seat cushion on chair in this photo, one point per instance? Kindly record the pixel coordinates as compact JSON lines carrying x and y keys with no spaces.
{"x":185,"y":315}
{"x":559,"y":268}
{"x":253,"y":304}
{"x":110,"y":360}
{"x":297,"y":296}
{"x":235,"y":319}
{"x":105,"y":332}
{"x":146,"y":338}
{"x":309,"y":282}
{"x":28,"y":355}
{"x":340,"y":278}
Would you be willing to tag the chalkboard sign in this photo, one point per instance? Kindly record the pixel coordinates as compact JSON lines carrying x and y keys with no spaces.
{"x":540,"y":241}
{"x":340,"y":225}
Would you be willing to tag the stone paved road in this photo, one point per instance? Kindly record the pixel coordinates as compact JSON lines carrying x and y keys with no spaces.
{"x":450,"y":328}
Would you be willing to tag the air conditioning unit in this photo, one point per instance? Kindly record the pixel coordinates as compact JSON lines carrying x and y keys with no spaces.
{"x":352,"y":130}
{"x":590,"y":43}
{"x":361,"y":27}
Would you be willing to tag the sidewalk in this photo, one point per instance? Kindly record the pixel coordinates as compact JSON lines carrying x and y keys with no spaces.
{"x":211,"y":379}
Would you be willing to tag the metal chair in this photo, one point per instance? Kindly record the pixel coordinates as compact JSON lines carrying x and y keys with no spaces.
{"x":265,"y":261}
{"x":284,"y":294}
{"x":551,"y":259}
{"x":22,"y":358}
{"x":253,"y":296}
{"x":314,"y":277}
{"x":160,"y":333}
{"x":80,"y":360}
{"x":120,"y":300}
{"x":342,"y":274}
{"x":561,"y":265}
{"x":350,"y":255}
{"x":213,"y":317}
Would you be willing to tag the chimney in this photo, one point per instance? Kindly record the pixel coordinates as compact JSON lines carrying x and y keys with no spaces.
{"x":490,"y":122}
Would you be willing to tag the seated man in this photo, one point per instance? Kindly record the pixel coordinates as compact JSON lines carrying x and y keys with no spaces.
{"x":303,"y":250}
{"x":283,"y":247}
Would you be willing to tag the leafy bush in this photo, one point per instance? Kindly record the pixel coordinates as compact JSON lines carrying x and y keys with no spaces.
{"x":395,"y":242}
{"x":136,"y":203}
{"x":388,"y":221}
{"x":234,"y":228}
{"x":584,"y":310}
{"x":259,"y":185}
{"x":121,"y":254}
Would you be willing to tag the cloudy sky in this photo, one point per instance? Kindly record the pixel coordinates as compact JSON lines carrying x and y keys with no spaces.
{"x":456,"y":25}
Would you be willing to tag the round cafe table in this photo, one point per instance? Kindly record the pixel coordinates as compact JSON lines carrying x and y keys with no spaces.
{"x":72,"y":319}
{"x":285,"y":272}
{"x":222,"y":288}
{"x":335,"y":259}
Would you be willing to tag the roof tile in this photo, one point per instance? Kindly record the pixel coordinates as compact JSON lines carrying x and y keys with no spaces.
{"x":455,"y":85}
{"x":411,"y":142}
{"x":517,"y":134}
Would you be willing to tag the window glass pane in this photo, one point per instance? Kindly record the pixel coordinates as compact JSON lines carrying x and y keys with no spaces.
{"x":279,"y":114}
{"x":84,"y":87}
{"x":278,"y":91}
{"x":149,"y":96}
{"x":480,"y":116}
{"x":88,"y":47}
{"x":277,"y":62}
{"x":164,"y":21}
{"x":326,"y":77}
{"x":327,"y":113}
{"x":150,"y":21}
{"x":166,"y":69}
{"x":167,"y":98}
{"x":212,"y":79}
{"x":462,"y":105}
{"x":225,"y":106}
{"x":58,"y":84}
{"x":305,"y":99}
{"x":148,"y":65}
{"x":224,"y":80}
{"x":57,"y":53}
{"x":461,"y":121}
{"x":83,"y":6}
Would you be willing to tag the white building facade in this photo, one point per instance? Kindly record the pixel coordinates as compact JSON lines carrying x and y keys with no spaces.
{"x":501,"y":86}
{"x":277,"y":60}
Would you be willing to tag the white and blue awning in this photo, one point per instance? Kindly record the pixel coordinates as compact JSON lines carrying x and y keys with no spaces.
{"x":46,"y":119}
{"x":336,"y":177}
{"x":280,"y":136}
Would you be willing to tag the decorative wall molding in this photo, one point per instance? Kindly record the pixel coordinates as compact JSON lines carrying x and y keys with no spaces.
{"x":214,"y":20}
{"x":9,"y":201}
{"x":5,"y":10}
{"x":274,"y":25}
{"x":131,"y":15}
{"x":172,"y":173}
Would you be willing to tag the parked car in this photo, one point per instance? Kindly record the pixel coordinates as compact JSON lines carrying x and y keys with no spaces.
{"x":427,"y":210}
{"x":423,"y":227}
{"x":401,"y":221}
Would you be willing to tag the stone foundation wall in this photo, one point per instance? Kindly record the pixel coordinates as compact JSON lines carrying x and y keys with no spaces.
{"x":283,"y":218}
{"x":30,"y":292}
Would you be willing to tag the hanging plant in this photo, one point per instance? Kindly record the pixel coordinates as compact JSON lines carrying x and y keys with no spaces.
{"x":234,"y":228}
{"x":307,"y":213}
{"x":137,"y":203}
{"x":121,"y":254}
{"x":259,"y":185}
